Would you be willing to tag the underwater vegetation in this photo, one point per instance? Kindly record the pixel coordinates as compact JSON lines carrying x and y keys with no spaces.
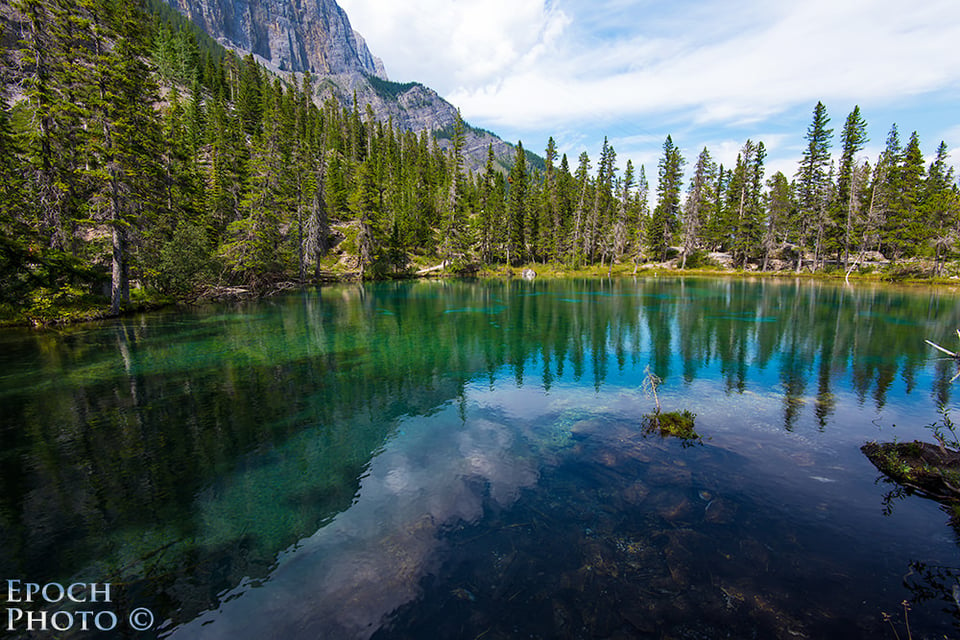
{"x":677,"y":424}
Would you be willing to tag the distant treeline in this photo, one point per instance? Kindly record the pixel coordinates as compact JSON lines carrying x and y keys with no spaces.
{"x":231,"y":176}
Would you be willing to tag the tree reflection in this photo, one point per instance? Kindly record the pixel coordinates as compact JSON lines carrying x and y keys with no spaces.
{"x":110,"y":433}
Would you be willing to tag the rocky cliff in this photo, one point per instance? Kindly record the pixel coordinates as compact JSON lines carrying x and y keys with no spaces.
{"x":297,"y":36}
{"x":286,"y":35}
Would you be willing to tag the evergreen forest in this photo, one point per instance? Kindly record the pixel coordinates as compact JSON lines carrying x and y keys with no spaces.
{"x":140,"y":161}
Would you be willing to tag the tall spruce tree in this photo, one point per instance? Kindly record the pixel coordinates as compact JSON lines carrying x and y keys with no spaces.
{"x":663,"y":223}
{"x":698,"y":204}
{"x":780,"y":204}
{"x":584,"y":188}
{"x":853,"y":138}
{"x":454,"y":241}
{"x":517,"y":207}
{"x":941,"y":207}
{"x":812,"y":182}
{"x":126,"y":143}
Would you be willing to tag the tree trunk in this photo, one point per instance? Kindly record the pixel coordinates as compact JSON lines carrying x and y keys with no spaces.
{"x":119,"y":280}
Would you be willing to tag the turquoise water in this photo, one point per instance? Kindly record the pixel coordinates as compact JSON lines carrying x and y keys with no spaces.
{"x":460,"y":460}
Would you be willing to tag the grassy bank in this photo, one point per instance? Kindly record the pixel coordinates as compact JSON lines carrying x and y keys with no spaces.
{"x":70,"y":305}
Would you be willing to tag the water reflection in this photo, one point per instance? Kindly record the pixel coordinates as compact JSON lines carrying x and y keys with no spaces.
{"x":226,"y":460}
{"x":344,"y":579}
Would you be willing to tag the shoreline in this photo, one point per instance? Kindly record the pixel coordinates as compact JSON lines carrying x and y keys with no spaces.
{"x":68,"y":316}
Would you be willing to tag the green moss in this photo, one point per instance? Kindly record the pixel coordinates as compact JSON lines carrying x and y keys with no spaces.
{"x":931,"y":469}
{"x":676,"y":424}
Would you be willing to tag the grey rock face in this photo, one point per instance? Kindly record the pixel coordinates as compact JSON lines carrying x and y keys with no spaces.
{"x":286,"y":35}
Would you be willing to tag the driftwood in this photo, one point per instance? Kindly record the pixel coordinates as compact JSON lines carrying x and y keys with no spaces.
{"x":946,"y":351}
{"x":929,"y":469}
{"x":431,"y":269}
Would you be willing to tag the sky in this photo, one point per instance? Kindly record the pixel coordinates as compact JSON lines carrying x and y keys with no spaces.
{"x":709,"y":73}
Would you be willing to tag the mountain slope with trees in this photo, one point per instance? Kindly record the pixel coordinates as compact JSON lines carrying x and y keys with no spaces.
{"x":315,"y":37}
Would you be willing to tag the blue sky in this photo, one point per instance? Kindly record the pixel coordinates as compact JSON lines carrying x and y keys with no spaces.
{"x":708,"y":73}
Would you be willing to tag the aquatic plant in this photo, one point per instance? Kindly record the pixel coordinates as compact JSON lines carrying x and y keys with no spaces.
{"x":942,"y":428}
{"x":678,"y":424}
{"x":906,"y":621}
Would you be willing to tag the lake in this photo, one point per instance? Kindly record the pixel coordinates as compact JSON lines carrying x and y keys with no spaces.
{"x":454,"y":459}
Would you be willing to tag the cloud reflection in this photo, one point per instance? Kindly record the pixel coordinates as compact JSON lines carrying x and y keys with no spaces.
{"x":346,"y":578}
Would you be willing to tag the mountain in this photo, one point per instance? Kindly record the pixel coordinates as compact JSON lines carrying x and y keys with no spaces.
{"x":286,"y":35}
{"x":315,"y":36}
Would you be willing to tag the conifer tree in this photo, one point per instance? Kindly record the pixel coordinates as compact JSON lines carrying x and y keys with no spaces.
{"x":853,"y":138}
{"x":127,"y":141}
{"x":253,"y":247}
{"x":780,"y":206}
{"x":566,"y":197}
{"x":552,"y":232}
{"x":584,"y":188}
{"x":642,"y":208}
{"x":620,"y":231}
{"x":601,"y":206}
{"x":489,"y":210}
{"x":517,"y":207}
{"x":364,"y":206}
{"x":663,"y":223}
{"x":454,"y":238}
{"x":941,"y":206}
{"x":812,"y":184}
{"x":906,"y":229}
{"x":698,"y":204}
{"x":884,"y":185}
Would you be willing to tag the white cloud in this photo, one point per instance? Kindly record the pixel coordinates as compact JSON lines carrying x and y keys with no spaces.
{"x":821,"y":49}
{"x":456,"y":43}
{"x":582,"y":69}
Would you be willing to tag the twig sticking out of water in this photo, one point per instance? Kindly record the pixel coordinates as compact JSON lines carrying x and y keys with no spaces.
{"x":946,"y":351}
{"x":955,"y":356}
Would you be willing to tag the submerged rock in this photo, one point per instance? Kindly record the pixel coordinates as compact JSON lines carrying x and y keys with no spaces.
{"x":931,"y":470}
{"x":636,"y":493}
{"x":719,"y":511}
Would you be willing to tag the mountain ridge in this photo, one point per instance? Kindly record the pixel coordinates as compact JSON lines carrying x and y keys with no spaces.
{"x":295,"y":37}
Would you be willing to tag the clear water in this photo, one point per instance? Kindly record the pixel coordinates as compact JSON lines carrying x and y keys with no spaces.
{"x":466,"y":460}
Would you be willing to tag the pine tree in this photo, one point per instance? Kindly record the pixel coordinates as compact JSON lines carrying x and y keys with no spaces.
{"x":941,"y":206}
{"x":127,"y":142}
{"x":490,"y":208}
{"x":517,"y":207}
{"x":698,"y":204}
{"x":600,"y":209}
{"x":584,"y":187}
{"x":780,"y":205}
{"x":553,"y":232}
{"x":642,"y":208}
{"x":853,"y":138}
{"x":717,"y":232}
{"x":620,"y":232}
{"x":664,"y":221}
{"x":750,"y":230}
{"x":455,"y":239}
{"x":906,"y":227}
{"x":364,"y":203}
{"x":884,"y":186}
{"x":812,"y":183}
